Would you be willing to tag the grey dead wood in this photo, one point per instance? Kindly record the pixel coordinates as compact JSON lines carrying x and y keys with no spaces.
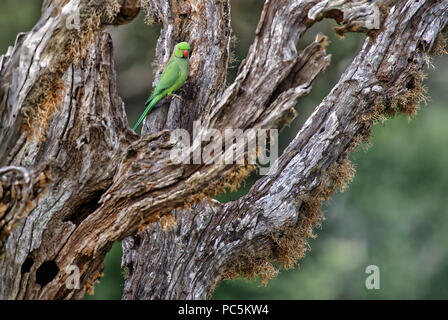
{"x":75,"y":178}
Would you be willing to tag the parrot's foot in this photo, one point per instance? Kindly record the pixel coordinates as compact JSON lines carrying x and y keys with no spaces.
{"x":176,"y":96}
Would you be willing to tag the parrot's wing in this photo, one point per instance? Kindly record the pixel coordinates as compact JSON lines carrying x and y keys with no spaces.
{"x":168,"y":78}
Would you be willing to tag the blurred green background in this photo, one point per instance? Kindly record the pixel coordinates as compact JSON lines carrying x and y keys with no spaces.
{"x":393,"y":215}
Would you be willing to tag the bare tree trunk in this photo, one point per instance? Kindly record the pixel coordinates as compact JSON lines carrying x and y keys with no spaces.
{"x":74,"y":177}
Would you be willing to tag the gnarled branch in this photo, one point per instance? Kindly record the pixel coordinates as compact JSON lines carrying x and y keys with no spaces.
{"x":59,"y":110}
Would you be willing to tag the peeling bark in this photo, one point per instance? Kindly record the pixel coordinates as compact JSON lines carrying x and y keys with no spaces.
{"x":67,"y":149}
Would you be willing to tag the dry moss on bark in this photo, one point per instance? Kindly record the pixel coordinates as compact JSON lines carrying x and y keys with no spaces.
{"x":289,"y":246}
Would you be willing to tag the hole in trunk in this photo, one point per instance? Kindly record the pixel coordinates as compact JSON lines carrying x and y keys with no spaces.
{"x":46,"y":272}
{"x":85,"y":208}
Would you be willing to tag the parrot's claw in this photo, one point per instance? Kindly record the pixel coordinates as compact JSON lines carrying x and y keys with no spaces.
{"x":176,"y":96}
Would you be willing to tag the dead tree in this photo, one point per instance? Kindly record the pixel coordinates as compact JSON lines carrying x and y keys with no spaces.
{"x":74,"y":177}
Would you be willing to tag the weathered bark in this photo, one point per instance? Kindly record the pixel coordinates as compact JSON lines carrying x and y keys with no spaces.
{"x":86,"y":180}
{"x":271,"y":223}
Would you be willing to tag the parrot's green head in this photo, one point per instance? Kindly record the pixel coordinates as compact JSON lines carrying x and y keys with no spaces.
{"x":182,"y":50}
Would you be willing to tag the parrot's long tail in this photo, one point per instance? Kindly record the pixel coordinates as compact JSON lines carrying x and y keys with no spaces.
{"x":149,"y":104}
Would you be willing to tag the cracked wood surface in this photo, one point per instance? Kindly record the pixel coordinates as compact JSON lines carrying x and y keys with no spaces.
{"x":59,"y":110}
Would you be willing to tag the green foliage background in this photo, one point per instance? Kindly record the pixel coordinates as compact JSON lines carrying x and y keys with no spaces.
{"x":393,"y":215}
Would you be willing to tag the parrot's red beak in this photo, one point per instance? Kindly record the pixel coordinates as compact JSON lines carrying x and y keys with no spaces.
{"x":185,"y":53}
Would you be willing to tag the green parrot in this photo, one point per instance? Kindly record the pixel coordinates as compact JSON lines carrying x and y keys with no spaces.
{"x":172,"y":78}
